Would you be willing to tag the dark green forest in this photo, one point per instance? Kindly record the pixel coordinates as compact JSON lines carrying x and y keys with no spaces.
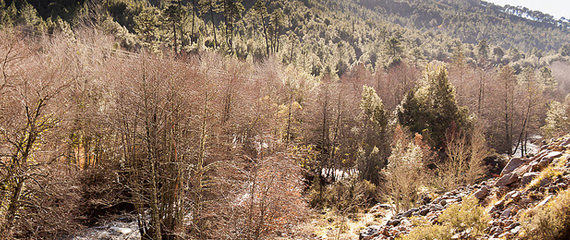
{"x":259,"y":119}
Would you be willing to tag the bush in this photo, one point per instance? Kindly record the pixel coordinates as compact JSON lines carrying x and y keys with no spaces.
{"x":551,"y":221}
{"x":427,"y":231}
{"x":349,"y":194}
{"x":457,"y":218}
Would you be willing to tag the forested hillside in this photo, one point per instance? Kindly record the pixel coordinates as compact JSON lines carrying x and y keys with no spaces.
{"x":319,"y":36}
{"x":475,"y":20}
{"x":257,"y":119}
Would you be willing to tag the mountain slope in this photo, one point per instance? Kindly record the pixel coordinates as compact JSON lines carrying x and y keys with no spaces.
{"x":510,"y":205}
{"x":474,"y":20}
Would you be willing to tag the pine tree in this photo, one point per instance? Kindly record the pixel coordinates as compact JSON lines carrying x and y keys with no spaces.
{"x":211,"y":7}
{"x":431,"y":109}
{"x":556,"y":122}
{"x":233,"y":10}
{"x":373,"y":149}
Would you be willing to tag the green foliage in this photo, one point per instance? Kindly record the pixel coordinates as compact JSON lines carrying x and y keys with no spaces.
{"x":565,"y":50}
{"x":551,"y":221}
{"x":372,"y":108}
{"x":431,"y":109}
{"x":372,"y":153}
{"x":28,"y":16}
{"x":483,"y":50}
{"x":474,"y":21}
{"x":8,"y":14}
{"x":467,"y":215}
{"x":426,"y":231}
{"x":146,"y":25}
{"x":394,"y":48}
{"x":546,"y":77}
{"x":457,"y":218}
{"x":556,"y":122}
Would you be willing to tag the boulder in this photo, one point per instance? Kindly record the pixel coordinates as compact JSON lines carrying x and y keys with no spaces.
{"x":545,"y":181}
{"x":538,"y":165}
{"x":369,"y":232}
{"x":553,"y":155}
{"x":507,"y":179}
{"x":482,"y":193}
{"x":516,"y":230}
{"x":513,"y":164}
{"x":515,"y":195}
{"x":410,"y":212}
{"x":528,"y":177}
{"x":385,"y":206}
{"x":424,"y":211}
{"x":120,"y":231}
{"x":394,"y":222}
{"x":507,"y":212}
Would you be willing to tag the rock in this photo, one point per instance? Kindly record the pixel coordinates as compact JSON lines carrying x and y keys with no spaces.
{"x":433,"y":216}
{"x":507,"y":223}
{"x":384,"y":206}
{"x":482,"y":193}
{"x":500,"y":203}
{"x":553,"y":155}
{"x":506,"y":213}
{"x":513,"y":164}
{"x":424,"y":211}
{"x":494,"y":209}
{"x":369,"y":232}
{"x":526,"y":201}
{"x":510,"y":194}
{"x":512,"y":225}
{"x":545,"y":181}
{"x":537,"y":166}
{"x":507,"y":179}
{"x":545,"y":201}
{"x":566,"y":143}
{"x":528,"y":177}
{"x":516,"y":230}
{"x":394,"y":222}
{"x":410,"y":212}
{"x":120,"y":231}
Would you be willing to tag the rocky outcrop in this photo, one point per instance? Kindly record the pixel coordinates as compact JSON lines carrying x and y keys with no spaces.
{"x":521,"y":185}
{"x":514,"y":164}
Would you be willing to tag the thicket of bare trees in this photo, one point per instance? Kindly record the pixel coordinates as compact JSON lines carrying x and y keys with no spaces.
{"x":207,"y":146}
{"x":192,"y":146}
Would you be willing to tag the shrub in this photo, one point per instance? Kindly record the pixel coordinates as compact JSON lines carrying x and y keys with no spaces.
{"x":427,"y":231}
{"x":347,"y":195}
{"x":465,"y":217}
{"x":551,"y":221}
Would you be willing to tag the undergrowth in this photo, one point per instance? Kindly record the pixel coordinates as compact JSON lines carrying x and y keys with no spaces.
{"x":466,"y":217}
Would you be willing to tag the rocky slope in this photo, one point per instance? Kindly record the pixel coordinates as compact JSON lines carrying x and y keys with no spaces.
{"x":524,"y":183}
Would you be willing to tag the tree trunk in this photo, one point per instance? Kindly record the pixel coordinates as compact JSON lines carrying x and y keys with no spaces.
{"x":213,"y":26}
